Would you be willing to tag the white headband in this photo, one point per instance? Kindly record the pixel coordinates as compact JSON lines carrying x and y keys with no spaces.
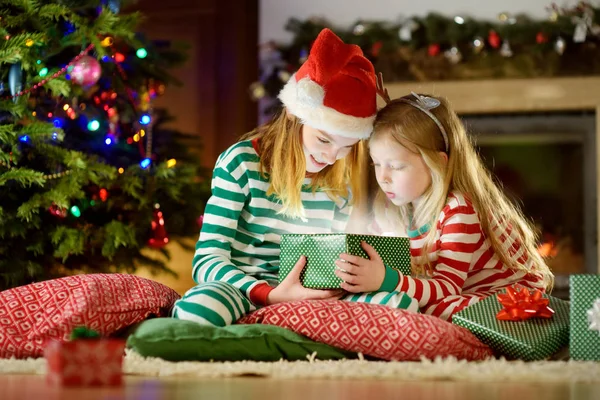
{"x":425,"y":104}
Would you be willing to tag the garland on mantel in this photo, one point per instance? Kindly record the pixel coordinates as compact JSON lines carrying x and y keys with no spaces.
{"x":437,"y":47}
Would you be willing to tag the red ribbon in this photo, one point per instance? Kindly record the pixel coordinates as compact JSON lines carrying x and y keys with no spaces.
{"x":521,"y":304}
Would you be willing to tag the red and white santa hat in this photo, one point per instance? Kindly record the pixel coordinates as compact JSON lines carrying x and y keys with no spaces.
{"x":334,"y":90}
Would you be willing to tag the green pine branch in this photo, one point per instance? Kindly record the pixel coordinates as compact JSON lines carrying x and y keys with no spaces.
{"x":58,"y":87}
{"x":7,"y":132}
{"x":22,"y":176}
{"x":53,"y":12}
{"x":13,"y":49}
{"x":117,"y":235}
{"x":17,"y":270}
{"x":66,"y":189}
{"x":36,"y":130}
{"x":5,"y":157}
{"x":131,"y":184}
{"x":16,"y":108}
{"x":37,"y":248}
{"x":100,"y":173}
{"x":12,"y":21}
{"x":68,"y":241}
{"x":13,"y":228}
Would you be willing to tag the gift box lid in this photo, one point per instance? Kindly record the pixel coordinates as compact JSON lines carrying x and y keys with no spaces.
{"x":322,"y":249}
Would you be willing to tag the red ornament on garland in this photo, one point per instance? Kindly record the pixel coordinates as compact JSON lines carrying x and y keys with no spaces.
{"x":433,"y":50}
{"x":57,"y":211}
{"x":159,"y":237}
{"x":200,"y":221}
{"x":86,"y":71}
{"x":541,"y":38}
{"x":494,"y":39}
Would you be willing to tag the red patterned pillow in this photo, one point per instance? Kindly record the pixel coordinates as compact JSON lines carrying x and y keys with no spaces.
{"x":374,"y":330}
{"x":31,"y":314}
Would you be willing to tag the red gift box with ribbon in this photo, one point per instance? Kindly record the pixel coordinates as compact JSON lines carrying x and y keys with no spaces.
{"x":85,"y":362}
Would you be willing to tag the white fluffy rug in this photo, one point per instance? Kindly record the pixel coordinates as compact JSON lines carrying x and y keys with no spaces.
{"x":449,"y":369}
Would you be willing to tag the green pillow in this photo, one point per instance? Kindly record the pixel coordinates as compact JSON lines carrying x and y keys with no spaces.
{"x":176,"y":340}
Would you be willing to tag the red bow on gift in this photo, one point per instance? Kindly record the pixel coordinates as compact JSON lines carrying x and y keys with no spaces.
{"x":520,"y":304}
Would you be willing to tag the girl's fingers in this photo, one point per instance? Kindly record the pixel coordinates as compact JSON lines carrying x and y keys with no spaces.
{"x":351,"y":288}
{"x":351,"y":259}
{"x":346,"y":277}
{"x":346,"y":267}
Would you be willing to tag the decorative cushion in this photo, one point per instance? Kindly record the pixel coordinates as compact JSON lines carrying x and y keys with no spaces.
{"x":176,"y":340}
{"x":373,"y":330}
{"x":106,"y":303}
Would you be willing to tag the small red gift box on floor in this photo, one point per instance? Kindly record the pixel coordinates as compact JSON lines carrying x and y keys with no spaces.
{"x":85,"y":362}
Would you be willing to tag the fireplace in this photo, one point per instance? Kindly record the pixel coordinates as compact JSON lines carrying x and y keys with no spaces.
{"x":520,"y":124}
{"x":546,"y":163}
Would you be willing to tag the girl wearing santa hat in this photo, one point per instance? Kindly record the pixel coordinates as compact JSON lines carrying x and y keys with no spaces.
{"x":301,"y":173}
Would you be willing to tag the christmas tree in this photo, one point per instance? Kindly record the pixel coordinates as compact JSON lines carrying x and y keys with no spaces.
{"x":89,"y":178}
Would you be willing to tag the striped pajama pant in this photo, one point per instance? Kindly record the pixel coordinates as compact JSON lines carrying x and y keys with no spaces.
{"x":220,"y":303}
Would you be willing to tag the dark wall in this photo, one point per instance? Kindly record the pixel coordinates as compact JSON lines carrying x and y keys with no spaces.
{"x":213,"y":102}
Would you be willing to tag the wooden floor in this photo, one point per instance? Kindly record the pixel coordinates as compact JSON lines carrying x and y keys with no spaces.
{"x":35,"y":387}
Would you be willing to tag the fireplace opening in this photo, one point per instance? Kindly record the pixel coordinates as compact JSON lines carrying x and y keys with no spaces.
{"x":546,"y":163}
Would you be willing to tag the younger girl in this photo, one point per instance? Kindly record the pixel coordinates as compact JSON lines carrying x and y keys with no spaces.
{"x":300,"y":173}
{"x":467,"y":240}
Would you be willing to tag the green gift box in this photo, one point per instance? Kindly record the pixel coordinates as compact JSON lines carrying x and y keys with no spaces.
{"x":528,"y":340}
{"x":585,"y":300}
{"x":321,"y":251}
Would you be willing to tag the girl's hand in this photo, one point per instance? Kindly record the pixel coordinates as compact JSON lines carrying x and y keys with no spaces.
{"x":291,"y":289}
{"x":361,"y":275}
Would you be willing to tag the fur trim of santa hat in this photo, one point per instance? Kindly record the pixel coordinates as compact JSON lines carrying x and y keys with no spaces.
{"x":334,"y":90}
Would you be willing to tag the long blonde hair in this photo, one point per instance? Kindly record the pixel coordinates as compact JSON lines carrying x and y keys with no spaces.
{"x":463,"y":172}
{"x":282,"y":160}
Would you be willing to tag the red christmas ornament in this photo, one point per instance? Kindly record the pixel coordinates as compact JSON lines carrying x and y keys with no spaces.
{"x":86,"y":71}
{"x":103,"y":193}
{"x":200,"y":221}
{"x":494,"y":39}
{"x":433,"y":50}
{"x":541,"y":38}
{"x":57,"y":211}
{"x":159,"y":237}
{"x":376,"y":48}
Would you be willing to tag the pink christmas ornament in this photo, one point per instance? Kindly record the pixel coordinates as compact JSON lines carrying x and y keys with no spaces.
{"x":86,"y":71}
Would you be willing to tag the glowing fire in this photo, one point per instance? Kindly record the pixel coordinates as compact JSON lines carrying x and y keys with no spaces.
{"x":548,"y":249}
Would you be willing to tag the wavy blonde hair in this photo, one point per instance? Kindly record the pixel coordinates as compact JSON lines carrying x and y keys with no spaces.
{"x":282,"y":160}
{"x":463,"y":172}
